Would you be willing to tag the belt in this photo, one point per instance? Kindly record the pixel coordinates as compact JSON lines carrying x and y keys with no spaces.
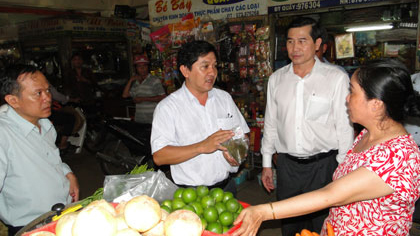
{"x":222,"y":184}
{"x":313,"y":158}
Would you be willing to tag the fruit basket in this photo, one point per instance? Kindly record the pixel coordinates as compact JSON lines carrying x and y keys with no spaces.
{"x":50,"y":227}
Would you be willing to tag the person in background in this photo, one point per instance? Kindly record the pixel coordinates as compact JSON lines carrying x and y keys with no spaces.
{"x":81,"y":83}
{"x":305,"y":122}
{"x":32,"y":176}
{"x":190,"y":124}
{"x":326,"y":41}
{"x":413,"y":127}
{"x":375,"y":188}
{"x":145,"y":89}
{"x":62,"y":119}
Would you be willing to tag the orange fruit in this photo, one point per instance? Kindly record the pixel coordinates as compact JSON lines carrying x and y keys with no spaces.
{"x":297,"y":234}
{"x":305,"y":232}
{"x":330,"y":229}
{"x":315,"y":234}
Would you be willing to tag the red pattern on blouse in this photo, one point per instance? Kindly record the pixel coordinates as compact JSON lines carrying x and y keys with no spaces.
{"x":397,"y":162}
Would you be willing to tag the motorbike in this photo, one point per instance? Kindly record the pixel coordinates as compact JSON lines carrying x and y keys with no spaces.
{"x":123,"y":144}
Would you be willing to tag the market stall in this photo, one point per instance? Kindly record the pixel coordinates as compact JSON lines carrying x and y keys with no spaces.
{"x":49,"y":44}
{"x":350,"y":45}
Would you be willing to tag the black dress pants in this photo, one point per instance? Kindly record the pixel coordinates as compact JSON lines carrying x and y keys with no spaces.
{"x":296,"y":177}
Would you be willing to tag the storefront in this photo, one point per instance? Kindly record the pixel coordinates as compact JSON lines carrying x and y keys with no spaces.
{"x":351,"y":49}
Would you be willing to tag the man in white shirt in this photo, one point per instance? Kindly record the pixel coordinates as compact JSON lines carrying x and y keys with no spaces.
{"x":305,"y":122}
{"x":190,"y":124}
{"x":412,"y":125}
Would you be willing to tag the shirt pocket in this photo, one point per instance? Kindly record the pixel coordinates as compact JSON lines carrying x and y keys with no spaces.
{"x":318,"y":109}
{"x":225,"y":123}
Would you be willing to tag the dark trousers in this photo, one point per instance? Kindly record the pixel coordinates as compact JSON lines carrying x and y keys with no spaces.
{"x":13,"y":230}
{"x":297,"y":177}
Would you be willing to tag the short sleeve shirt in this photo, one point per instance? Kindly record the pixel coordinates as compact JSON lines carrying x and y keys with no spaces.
{"x":397,"y":163}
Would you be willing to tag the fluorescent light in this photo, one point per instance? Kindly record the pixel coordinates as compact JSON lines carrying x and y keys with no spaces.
{"x":370,"y":28}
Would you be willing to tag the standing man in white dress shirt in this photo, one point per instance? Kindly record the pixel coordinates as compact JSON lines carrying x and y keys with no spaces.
{"x":305,"y":122}
{"x":190,"y":124}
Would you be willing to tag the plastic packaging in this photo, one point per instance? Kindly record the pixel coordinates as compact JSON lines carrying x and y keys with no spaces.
{"x":124,"y":187}
{"x":238,"y":145}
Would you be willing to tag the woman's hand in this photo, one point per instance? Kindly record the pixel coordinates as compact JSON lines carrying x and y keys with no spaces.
{"x":251,"y":218}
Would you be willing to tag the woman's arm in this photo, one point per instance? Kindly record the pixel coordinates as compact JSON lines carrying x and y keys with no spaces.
{"x":359,"y":185}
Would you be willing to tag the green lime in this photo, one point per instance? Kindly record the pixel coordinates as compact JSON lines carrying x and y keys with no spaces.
{"x":189,"y":195}
{"x":167,"y":203}
{"x":202,"y":190}
{"x":197,"y":208}
{"x":210,"y":214}
{"x":240,"y":208}
{"x":207,"y":201}
{"x":220,"y":206}
{"x":227,"y":196}
{"x":177,"y":203}
{"x":215,"y":227}
{"x":188,"y":207}
{"x":226,"y":218}
{"x":225,"y":229}
{"x":178,"y":193}
{"x":232,"y":205}
{"x":217,"y":194}
{"x":203,"y":222}
{"x":166,"y":208}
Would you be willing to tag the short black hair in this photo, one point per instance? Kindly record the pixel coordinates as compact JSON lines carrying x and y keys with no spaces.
{"x":389,"y":80}
{"x":191,"y":51}
{"x":304,"y":21}
{"x":8,"y":81}
{"x":324,"y":36}
{"x":76,"y":54}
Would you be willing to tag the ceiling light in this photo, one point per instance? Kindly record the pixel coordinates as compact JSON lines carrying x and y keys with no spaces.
{"x":370,"y":28}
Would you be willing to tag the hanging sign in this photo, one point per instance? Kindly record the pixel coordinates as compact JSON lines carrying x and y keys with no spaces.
{"x":162,"y":12}
{"x":275,"y":6}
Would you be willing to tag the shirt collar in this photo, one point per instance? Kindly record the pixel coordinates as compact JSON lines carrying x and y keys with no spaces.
{"x":25,"y":125}
{"x":191,"y":97}
{"x":314,"y":68}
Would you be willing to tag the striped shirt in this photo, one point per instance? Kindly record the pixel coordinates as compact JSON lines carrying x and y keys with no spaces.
{"x":150,"y":87}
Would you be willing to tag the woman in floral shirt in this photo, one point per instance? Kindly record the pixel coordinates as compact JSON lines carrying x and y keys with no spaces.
{"x":375,"y":188}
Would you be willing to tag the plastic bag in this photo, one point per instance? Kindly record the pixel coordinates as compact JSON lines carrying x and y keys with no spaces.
{"x":238,"y":145}
{"x":119,"y":188}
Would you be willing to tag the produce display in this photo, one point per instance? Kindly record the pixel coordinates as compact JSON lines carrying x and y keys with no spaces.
{"x":217,"y":209}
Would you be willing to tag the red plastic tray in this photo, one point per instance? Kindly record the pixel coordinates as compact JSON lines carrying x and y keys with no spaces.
{"x":51,"y":226}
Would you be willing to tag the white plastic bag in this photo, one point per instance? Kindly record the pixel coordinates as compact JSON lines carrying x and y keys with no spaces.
{"x":119,"y":188}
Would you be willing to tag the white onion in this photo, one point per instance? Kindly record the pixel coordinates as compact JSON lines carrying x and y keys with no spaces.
{"x":94,"y":220}
{"x":65,"y":224}
{"x":142,"y":213}
{"x":121,"y":224}
{"x":128,"y":232}
{"x":183,"y":223}
{"x":103,"y":203}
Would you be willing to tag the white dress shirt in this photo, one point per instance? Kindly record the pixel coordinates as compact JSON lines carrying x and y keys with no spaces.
{"x":180,"y":120}
{"x":412,"y":124}
{"x":307,"y":116}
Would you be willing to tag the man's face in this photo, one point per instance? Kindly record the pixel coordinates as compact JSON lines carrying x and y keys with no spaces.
{"x":34,"y":99}
{"x":77,"y":62}
{"x":300,"y":45}
{"x":202,"y":75}
{"x":142,"y":69}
